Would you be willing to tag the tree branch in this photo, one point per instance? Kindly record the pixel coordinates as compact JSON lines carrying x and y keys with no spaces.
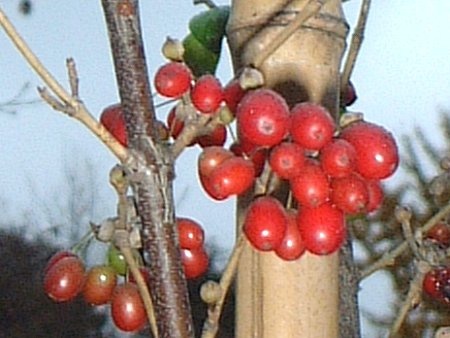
{"x":152,"y":166}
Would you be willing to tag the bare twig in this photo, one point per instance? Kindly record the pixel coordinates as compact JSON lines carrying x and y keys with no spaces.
{"x":412,"y":299}
{"x":389,"y":257}
{"x":355,"y":44}
{"x":71,"y":104}
{"x":211,"y":325}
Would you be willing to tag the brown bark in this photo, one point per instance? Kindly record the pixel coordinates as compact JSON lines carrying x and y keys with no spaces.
{"x":277,"y":298}
{"x":152,"y":165}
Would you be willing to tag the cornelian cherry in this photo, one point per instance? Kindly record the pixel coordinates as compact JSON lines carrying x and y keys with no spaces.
{"x":127,"y":309}
{"x":263,"y":117}
{"x":99,"y":284}
{"x":64,"y":279}
{"x":311,"y":125}
{"x":207,"y":94}
{"x":173,"y":79}
{"x":113,"y":120}
{"x":265,"y":223}
{"x":195,"y":262}
{"x":190,"y":233}
{"x":322,"y":228}
{"x":376,"y":150}
{"x":311,"y":186}
{"x":287,"y":159}
{"x":292,"y":246}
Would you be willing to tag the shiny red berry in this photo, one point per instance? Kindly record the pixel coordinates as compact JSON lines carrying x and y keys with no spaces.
{"x":99,"y":285}
{"x":338,"y":158}
{"x":265,"y":223}
{"x":376,"y":150}
{"x":113,"y":120}
{"x":322,"y":228}
{"x":350,"y":194}
{"x":127,"y":309}
{"x":311,"y":186}
{"x":287,"y":159}
{"x":292,"y":246}
{"x":233,"y":176}
{"x":195,"y":262}
{"x":311,"y":125}
{"x":207,"y":94}
{"x":263,"y":117}
{"x":173,"y":79}
{"x":63,"y":281}
{"x":190,"y":233}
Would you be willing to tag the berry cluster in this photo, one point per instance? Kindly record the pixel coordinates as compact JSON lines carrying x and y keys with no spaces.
{"x":333,"y":171}
{"x":65,"y":277}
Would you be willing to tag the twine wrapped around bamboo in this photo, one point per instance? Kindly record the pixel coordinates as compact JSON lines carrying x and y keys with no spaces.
{"x":277,"y":298}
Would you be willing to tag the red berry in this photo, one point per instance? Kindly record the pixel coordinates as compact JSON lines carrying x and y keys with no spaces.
{"x":57,"y":257}
{"x":350,"y":194}
{"x":350,"y":95}
{"x":233,"y":176}
{"x":190,"y":234}
{"x":376,"y":195}
{"x":64,"y":280}
{"x":311,"y":187}
{"x":216,"y":138}
{"x":431,"y":284}
{"x":265,"y":223}
{"x":311,"y":125}
{"x":113,"y":120}
{"x":440,"y":234}
{"x":258,"y":156}
{"x":263,"y":117}
{"x":127,"y":309}
{"x":233,"y":94}
{"x":376,"y":150}
{"x":99,"y":285}
{"x":173,"y":79}
{"x":195,"y":262}
{"x":338,"y":158}
{"x":292,"y":246}
{"x":174,"y":124}
{"x":287,"y":159}
{"x":207,"y":94}
{"x":322,"y":228}
{"x":211,"y":158}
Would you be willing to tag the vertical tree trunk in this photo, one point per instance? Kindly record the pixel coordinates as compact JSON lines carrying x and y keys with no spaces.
{"x":277,"y":298}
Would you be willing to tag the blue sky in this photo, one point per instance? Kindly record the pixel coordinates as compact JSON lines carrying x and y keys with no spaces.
{"x":402,"y":77}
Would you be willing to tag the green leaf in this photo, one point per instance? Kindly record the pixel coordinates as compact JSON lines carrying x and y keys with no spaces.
{"x":199,"y":59}
{"x":208,"y":27}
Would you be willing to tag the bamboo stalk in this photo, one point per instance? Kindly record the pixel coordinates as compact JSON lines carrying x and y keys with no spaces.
{"x":277,"y":298}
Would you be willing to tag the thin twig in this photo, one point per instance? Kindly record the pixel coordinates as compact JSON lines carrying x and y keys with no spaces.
{"x":120,"y":182}
{"x":34,"y":61}
{"x":389,"y":257}
{"x":310,"y":9}
{"x":71,"y":104}
{"x":412,"y":299}
{"x":355,"y":44}
{"x":211,"y":325}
